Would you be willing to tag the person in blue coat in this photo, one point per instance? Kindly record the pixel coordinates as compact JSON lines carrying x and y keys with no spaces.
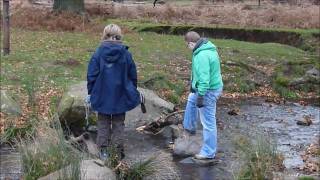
{"x":112,"y":88}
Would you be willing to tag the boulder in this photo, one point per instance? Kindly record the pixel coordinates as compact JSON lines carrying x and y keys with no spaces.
{"x":89,"y":169}
{"x":155,"y":108}
{"x":72,"y":107}
{"x":187,"y":145}
{"x":313,"y":73}
{"x":9,"y":105}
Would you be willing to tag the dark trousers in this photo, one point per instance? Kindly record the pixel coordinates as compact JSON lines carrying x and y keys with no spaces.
{"x":110,"y":130}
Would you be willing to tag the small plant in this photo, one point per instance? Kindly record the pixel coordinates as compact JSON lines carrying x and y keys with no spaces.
{"x":125,"y":172}
{"x":282,"y":81}
{"x":12,"y":131}
{"x":31,"y":86}
{"x":260,"y":157}
{"x":114,"y":157}
{"x":141,"y":169}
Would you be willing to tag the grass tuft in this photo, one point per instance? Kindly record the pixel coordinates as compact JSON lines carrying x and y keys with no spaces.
{"x":48,"y":152}
{"x":140,"y":170}
{"x":260,"y":157}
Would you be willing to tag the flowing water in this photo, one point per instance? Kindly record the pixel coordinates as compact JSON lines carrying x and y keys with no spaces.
{"x":278,"y":121}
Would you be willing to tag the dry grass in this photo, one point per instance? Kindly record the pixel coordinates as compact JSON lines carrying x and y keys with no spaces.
{"x":27,"y":18}
{"x":201,"y":13}
{"x":242,"y":15}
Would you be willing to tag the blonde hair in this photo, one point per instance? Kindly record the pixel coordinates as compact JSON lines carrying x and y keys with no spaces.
{"x":111,"y":30}
{"x":191,"y":36}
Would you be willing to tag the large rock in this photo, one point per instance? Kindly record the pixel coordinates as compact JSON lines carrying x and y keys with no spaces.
{"x":186,"y":145}
{"x":313,"y":74}
{"x":8,"y":105}
{"x":72,"y":107}
{"x":155,"y":108}
{"x":89,"y":170}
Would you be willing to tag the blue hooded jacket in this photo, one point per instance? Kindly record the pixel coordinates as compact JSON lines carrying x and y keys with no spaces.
{"x":112,"y":79}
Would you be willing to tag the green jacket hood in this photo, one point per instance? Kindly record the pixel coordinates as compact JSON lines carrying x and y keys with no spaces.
{"x":206,"y":46}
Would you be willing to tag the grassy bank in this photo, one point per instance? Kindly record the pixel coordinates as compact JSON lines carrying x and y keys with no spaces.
{"x":305,"y":39}
{"x":56,"y":59}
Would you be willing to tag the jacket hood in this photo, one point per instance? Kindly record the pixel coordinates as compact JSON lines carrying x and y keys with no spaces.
{"x":204,"y":45}
{"x":112,"y":51}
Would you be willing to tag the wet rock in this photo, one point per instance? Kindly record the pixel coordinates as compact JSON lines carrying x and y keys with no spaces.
{"x":166,"y":132}
{"x":234,"y":112}
{"x":89,"y":169}
{"x":305,"y":122}
{"x":207,"y":162}
{"x":71,"y":109}
{"x":176,"y":130}
{"x":172,"y":131}
{"x":187,"y":145}
{"x":9,"y":105}
{"x":187,"y":160}
{"x":311,"y":76}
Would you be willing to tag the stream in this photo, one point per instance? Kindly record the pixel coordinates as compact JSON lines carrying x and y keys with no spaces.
{"x":278,"y":121}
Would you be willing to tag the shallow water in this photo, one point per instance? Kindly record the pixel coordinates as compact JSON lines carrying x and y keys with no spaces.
{"x":279,"y":121}
{"x":10,"y":166}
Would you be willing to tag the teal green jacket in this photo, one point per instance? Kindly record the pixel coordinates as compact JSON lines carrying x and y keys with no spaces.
{"x":206,"y":72}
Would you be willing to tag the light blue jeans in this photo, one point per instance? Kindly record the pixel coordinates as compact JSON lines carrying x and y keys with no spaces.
{"x":207,"y":116}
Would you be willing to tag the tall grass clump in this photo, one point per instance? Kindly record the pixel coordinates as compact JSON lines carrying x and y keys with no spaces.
{"x":12,"y":131}
{"x":141,"y":169}
{"x":124,"y":171}
{"x":46,"y":152}
{"x":260,"y":158}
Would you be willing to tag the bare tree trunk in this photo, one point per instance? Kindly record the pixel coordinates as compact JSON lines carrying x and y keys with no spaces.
{"x":6,"y":28}
{"x":69,"y":5}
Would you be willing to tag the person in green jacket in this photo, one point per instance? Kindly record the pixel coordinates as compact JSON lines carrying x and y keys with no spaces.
{"x":206,"y":88}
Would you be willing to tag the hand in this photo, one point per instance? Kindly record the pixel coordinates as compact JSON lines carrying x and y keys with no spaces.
{"x":200,"y":101}
{"x":142,"y":100}
{"x":87,"y":100}
{"x":192,"y":90}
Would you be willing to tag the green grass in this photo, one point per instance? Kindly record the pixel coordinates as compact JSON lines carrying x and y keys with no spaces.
{"x":306,"y":178}
{"x":43,"y":54}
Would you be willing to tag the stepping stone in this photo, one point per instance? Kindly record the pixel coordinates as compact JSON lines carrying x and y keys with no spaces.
{"x":208,"y":162}
{"x":188,"y":160}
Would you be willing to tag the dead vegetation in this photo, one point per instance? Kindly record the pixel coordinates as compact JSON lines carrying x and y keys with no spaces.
{"x":270,"y":16}
{"x":234,"y":14}
{"x":311,"y":158}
